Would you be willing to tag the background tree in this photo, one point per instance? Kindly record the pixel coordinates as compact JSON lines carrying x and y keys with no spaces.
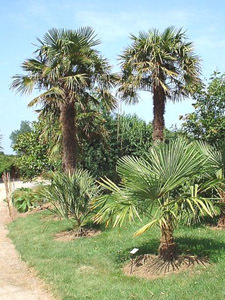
{"x":207,"y":122}
{"x":67,"y":69}
{"x":24,"y":128}
{"x":32,"y":150}
{"x":124,"y":135}
{"x":7,"y":164}
{"x":163,"y":64}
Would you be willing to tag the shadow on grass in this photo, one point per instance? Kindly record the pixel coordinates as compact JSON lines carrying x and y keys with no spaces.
{"x":200,"y":247}
{"x":150,"y":248}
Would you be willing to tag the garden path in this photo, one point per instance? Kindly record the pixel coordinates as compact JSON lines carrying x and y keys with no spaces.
{"x":17,"y":281}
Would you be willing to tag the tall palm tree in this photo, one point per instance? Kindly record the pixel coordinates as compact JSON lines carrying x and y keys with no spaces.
{"x":67,"y":69}
{"x":167,"y":187}
{"x":163,"y":64}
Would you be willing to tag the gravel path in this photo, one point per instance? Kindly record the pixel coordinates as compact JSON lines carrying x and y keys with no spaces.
{"x":17,"y":281}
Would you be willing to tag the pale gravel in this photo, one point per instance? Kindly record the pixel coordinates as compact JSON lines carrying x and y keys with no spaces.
{"x":17,"y":281}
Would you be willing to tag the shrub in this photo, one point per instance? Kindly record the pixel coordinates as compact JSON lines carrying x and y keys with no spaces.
{"x":24,"y":199}
{"x":70,"y":196}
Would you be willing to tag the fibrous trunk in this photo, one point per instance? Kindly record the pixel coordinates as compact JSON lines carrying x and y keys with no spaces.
{"x":69,"y":143}
{"x":167,"y":248}
{"x":158,"y":113}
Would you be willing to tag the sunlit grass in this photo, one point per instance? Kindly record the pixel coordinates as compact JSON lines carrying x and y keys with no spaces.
{"x":91,"y":268}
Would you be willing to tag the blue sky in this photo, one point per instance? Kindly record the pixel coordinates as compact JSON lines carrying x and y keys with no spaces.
{"x":23,"y":21}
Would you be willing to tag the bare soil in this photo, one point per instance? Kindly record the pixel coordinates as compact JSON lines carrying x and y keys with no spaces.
{"x":151,"y":266}
{"x":67,"y":236}
{"x":17,"y":281}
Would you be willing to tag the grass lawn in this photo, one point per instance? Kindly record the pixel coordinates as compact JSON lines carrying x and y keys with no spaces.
{"x":91,"y":268}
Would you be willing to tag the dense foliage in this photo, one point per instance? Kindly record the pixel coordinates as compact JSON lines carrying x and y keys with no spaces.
{"x":32,"y":150}
{"x":207,"y":122}
{"x":25,"y":127}
{"x":102,"y":138}
{"x":7,"y":164}
{"x":125,"y":135}
{"x":24,"y":199}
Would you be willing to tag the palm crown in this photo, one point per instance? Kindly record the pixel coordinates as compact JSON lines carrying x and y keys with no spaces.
{"x":161,"y":63}
{"x":67,"y":70}
{"x":66,"y":66}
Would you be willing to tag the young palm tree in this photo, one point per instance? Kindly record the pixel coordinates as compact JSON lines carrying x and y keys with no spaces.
{"x":70,"y":196}
{"x":163,"y":64}
{"x":165,"y":188}
{"x":67,"y":69}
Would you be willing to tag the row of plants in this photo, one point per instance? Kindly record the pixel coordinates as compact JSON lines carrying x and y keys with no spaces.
{"x":176,"y":183}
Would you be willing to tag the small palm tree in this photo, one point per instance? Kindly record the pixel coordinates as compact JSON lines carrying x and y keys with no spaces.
{"x":70,"y":196}
{"x":163,"y":64}
{"x":67,"y":69}
{"x":165,"y":187}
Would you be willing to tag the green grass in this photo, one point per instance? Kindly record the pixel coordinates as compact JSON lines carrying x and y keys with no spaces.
{"x":90,"y":268}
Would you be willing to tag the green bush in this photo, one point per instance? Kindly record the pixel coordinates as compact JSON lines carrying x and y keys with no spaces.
{"x":25,"y":199}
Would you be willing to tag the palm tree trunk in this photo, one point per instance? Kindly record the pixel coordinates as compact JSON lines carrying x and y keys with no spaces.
{"x":221,"y":221}
{"x":69,"y":143}
{"x":158,"y":113}
{"x":167,"y":247}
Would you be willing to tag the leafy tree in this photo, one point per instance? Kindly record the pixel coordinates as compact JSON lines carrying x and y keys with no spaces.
{"x":124,"y":135}
{"x":163,"y":64}
{"x":68,"y":70}
{"x":207,"y":122}
{"x":165,"y":187}
{"x":24,"y":128}
{"x":32,"y":150}
{"x":7,"y":164}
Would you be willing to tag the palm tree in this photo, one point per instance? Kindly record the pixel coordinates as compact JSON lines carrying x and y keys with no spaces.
{"x":164,"y":187}
{"x":163,"y":64}
{"x":67,"y":69}
{"x":70,"y":196}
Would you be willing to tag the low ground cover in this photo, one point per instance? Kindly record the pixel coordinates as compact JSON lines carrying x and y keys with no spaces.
{"x":92,"y":268}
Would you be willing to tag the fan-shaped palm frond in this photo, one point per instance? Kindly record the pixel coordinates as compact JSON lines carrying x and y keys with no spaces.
{"x":66,"y":70}
{"x":164,"y":186}
{"x":163,"y":64}
{"x":71,"y":194}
